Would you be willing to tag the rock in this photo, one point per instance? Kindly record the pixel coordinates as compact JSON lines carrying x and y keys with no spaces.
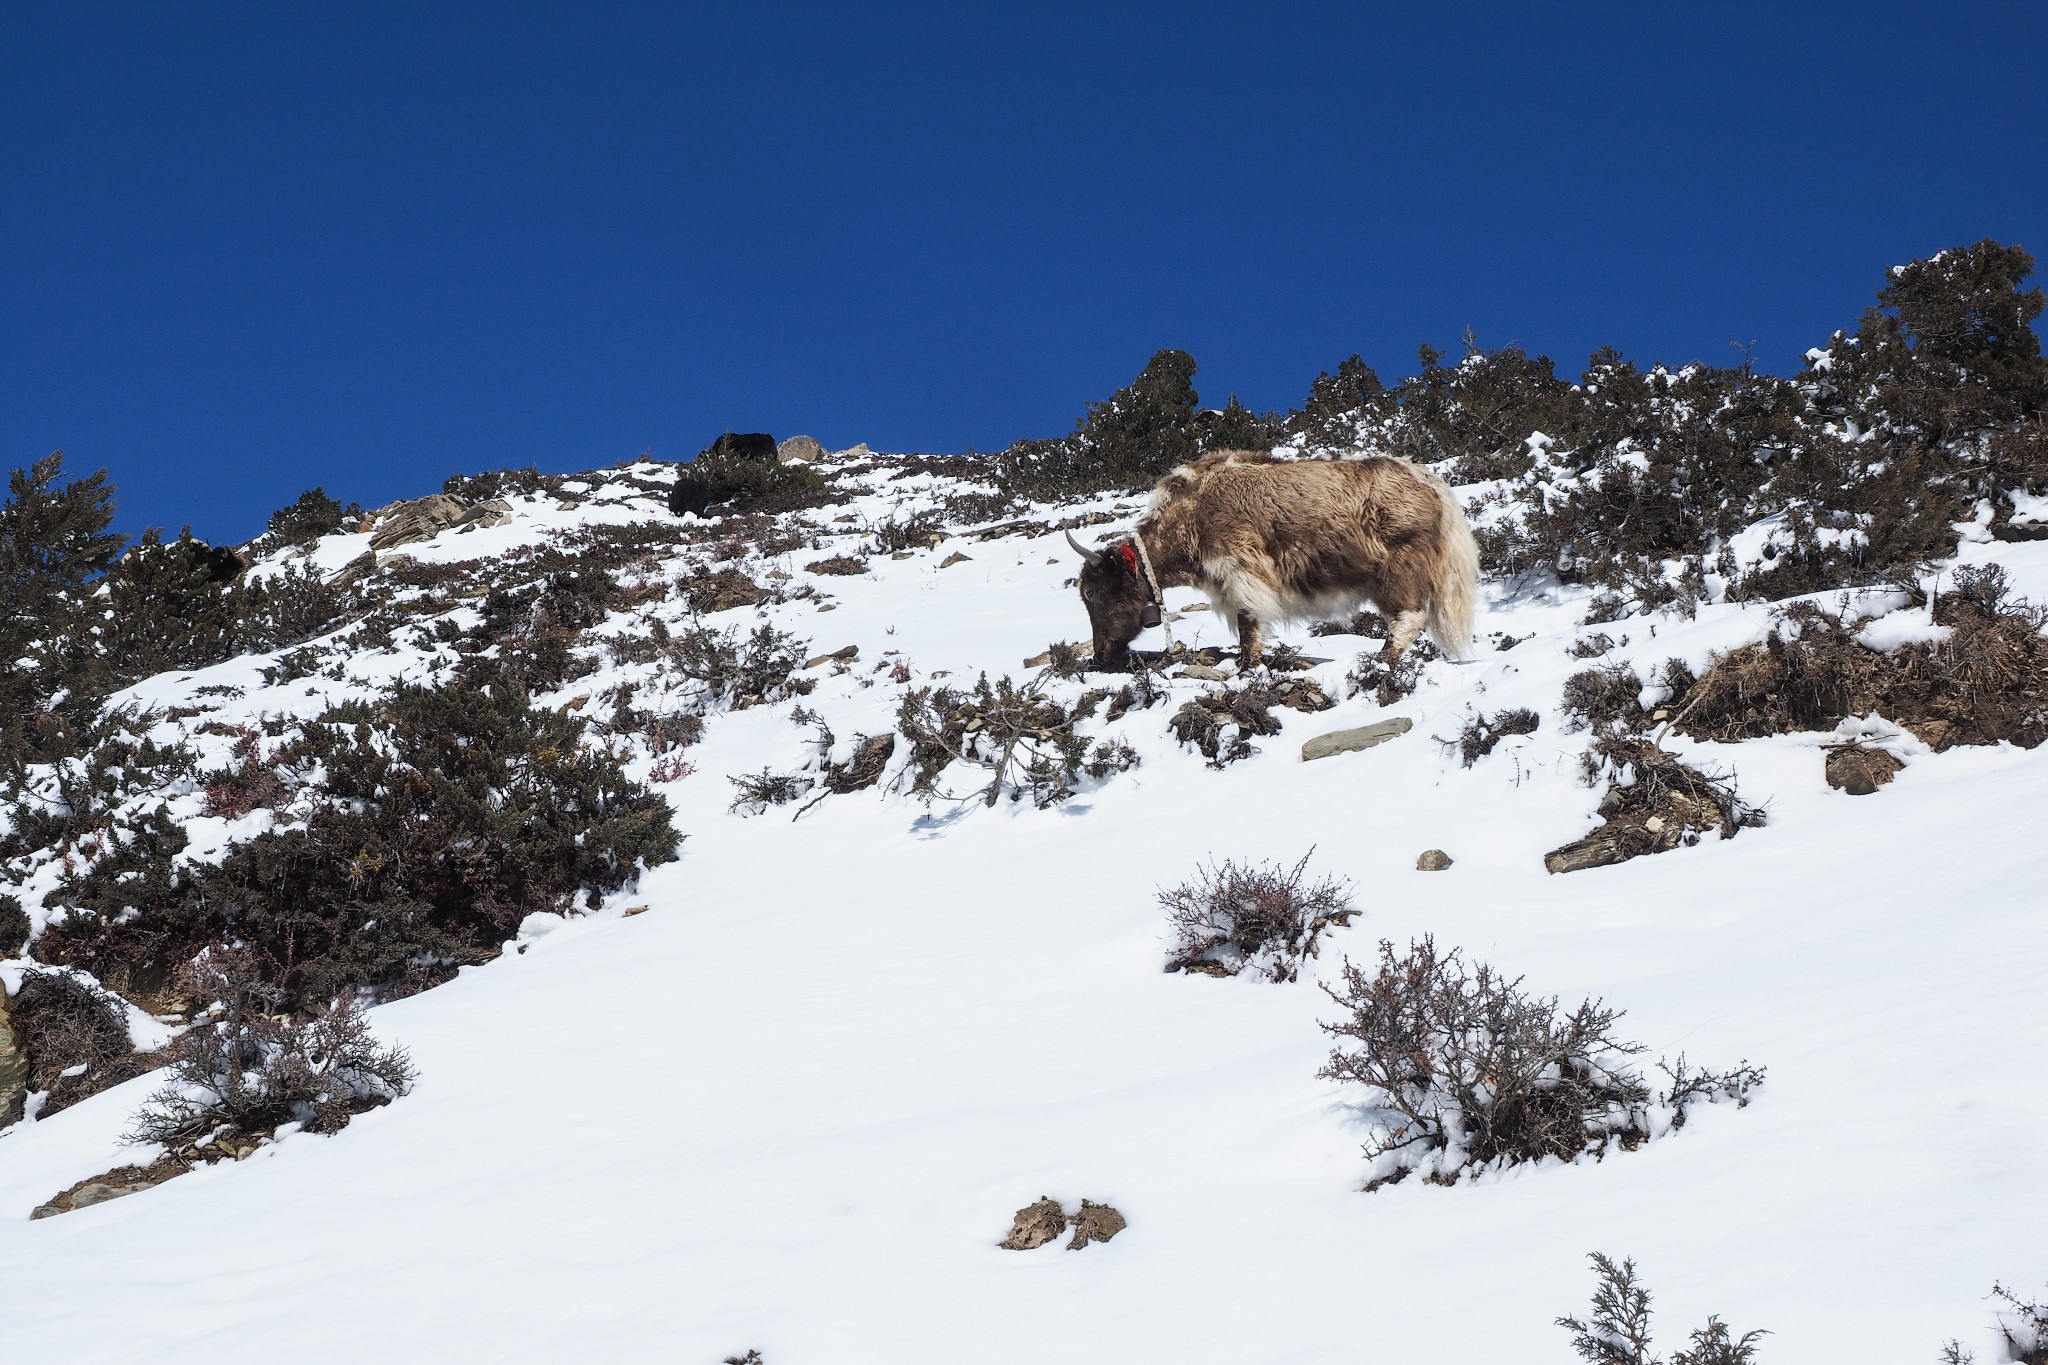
{"x":1095,"y":1223}
{"x":1035,"y":1225}
{"x":407,"y":523}
{"x":843,"y":655}
{"x":13,"y":1069}
{"x":1860,"y":771}
{"x":357,"y":569}
{"x":118,"y":1183}
{"x":1203,"y":673}
{"x":859,"y":452}
{"x":903,"y":554}
{"x":1432,"y":860}
{"x":955,"y":558}
{"x":1361,"y":737}
{"x":800,"y":450}
{"x":496,"y":512}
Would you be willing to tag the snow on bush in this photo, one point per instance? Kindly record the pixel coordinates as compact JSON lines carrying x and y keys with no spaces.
{"x":244,"y":1071}
{"x":1252,"y":920}
{"x":1466,"y":1072}
{"x":1618,"y":1331}
{"x":1023,"y":738}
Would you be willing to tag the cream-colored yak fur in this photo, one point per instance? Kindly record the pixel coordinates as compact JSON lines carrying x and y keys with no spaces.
{"x":1289,"y":540}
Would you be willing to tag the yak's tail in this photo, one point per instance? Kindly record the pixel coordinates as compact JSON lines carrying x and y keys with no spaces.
{"x":1454,"y":590}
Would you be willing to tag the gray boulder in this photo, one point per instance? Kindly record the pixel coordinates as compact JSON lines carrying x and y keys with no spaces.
{"x":1352,"y":740}
{"x":800,"y":450}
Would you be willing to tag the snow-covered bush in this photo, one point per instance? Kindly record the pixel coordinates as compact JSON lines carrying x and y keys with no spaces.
{"x":1977,"y":675}
{"x":759,"y":791}
{"x":1022,"y":737}
{"x":724,"y":479}
{"x":1605,"y":696}
{"x":310,"y":516}
{"x":1618,"y":1329}
{"x":907,"y":531}
{"x":1482,"y":733}
{"x":1386,"y":680}
{"x":242,"y":1070}
{"x":14,"y":925}
{"x":444,"y":816}
{"x":1258,"y":920}
{"x":2024,"y":1325}
{"x":1121,"y":444}
{"x":737,"y":672}
{"x":1466,"y":1071}
{"x":1221,"y":723}
{"x":75,"y":1037}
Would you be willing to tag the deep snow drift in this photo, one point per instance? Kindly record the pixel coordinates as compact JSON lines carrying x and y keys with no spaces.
{"x":793,"y":1104}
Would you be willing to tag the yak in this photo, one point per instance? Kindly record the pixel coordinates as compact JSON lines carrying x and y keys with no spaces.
{"x":1270,"y":540}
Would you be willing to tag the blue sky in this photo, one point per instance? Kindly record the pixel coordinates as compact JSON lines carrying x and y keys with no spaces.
{"x":249,"y":249}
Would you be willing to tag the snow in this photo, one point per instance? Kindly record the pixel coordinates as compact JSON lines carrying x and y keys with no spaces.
{"x":1907,"y":626}
{"x":793,"y":1105}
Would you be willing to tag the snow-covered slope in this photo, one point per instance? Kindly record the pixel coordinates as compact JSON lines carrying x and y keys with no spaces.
{"x":793,"y":1104}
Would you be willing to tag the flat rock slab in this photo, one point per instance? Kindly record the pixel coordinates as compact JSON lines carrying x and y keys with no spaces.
{"x":115,"y":1184}
{"x":1360,"y":737}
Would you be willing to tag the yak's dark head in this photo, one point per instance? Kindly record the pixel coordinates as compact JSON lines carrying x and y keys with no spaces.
{"x":1118,"y":601}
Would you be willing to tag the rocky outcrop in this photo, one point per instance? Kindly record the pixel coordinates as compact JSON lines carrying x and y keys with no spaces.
{"x":408,"y":523}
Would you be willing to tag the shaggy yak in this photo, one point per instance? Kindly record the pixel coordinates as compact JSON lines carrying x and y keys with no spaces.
{"x":1287,"y":540}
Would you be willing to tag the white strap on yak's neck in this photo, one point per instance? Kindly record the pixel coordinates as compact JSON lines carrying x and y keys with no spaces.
{"x":1152,"y":585}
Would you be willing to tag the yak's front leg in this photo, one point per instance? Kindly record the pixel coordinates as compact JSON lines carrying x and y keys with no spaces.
{"x":1248,"y":648}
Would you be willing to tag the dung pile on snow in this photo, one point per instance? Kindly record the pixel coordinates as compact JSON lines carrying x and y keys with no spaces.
{"x":1046,"y":1221}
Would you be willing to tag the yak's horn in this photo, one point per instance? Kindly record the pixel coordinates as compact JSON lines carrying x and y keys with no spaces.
{"x":1082,"y":550}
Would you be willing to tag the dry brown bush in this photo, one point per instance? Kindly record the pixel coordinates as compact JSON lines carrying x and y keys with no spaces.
{"x":75,"y":1035}
{"x":1465,"y":1070}
{"x":243,"y":1070}
{"x":1231,"y":920}
{"x":1654,"y":802}
{"x":1987,"y":682}
{"x":1247,"y":710}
